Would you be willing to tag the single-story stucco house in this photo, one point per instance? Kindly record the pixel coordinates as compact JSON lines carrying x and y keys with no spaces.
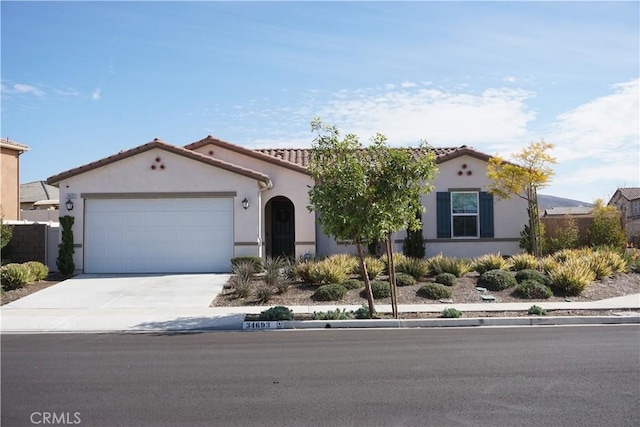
{"x":164,"y":208}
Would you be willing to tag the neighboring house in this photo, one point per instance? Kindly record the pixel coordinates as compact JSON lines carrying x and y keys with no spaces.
{"x":163,"y":208}
{"x":572,"y":211}
{"x":10,"y":178}
{"x":627,"y":201}
{"x":38,"y":195}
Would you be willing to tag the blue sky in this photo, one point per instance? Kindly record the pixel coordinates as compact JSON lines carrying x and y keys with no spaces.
{"x":84,"y":80}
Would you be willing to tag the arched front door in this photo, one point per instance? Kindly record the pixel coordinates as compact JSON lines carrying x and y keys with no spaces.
{"x":280,"y":227}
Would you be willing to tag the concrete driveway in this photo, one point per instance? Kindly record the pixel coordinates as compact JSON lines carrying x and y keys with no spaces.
{"x":91,"y":291}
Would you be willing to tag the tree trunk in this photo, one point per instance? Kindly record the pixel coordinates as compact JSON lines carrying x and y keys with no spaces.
{"x":534,"y":222}
{"x":392,"y":278}
{"x":365,"y":277}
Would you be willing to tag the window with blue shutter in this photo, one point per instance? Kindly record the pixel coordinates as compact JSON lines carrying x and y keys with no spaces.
{"x":464,"y":214}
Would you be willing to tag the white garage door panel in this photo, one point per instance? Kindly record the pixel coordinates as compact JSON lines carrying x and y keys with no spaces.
{"x":158,"y":235}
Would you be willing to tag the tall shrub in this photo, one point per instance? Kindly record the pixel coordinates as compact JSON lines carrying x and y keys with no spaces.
{"x":606,"y":229}
{"x":65,"y":249}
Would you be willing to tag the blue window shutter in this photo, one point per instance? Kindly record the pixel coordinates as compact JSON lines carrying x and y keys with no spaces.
{"x":443,"y":209}
{"x":486,"y":214}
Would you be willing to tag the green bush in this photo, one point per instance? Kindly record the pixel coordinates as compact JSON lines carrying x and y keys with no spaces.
{"x":434,"y":291}
{"x":362,"y":313}
{"x":536,"y":275}
{"x":327,"y":272}
{"x":456,"y":266}
{"x":523,"y":261}
{"x":65,"y":262}
{"x":278,"y":312}
{"x":446,"y":279}
{"x":331,"y":292}
{"x":375,"y":267}
{"x":255,"y":262}
{"x":380,"y":289}
{"x":353,"y":284}
{"x":403,"y":279}
{"x":566,"y":236}
{"x":496,"y":280}
{"x":451,"y":313}
{"x":571,"y":278}
{"x":532,"y":289}
{"x":606,"y":229}
{"x":415,"y":267}
{"x":489,"y":262}
{"x":332,"y":315}
{"x":413,"y":244}
{"x":37,"y":270}
{"x":14,"y":276}
{"x":537,"y":310}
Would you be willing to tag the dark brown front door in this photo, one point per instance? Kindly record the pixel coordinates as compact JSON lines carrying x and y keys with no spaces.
{"x":282,"y":228}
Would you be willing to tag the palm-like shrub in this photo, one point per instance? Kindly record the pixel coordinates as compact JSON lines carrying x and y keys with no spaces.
{"x":37,"y":270}
{"x":347,"y":262}
{"x":326,"y":272}
{"x":489,"y":262}
{"x":303,"y":271}
{"x":456,"y":266}
{"x":571,"y":277}
{"x":375,"y":267}
{"x":275,"y":273}
{"x":14,"y":276}
{"x":548,"y":264}
{"x":413,"y":266}
{"x":523,"y":261}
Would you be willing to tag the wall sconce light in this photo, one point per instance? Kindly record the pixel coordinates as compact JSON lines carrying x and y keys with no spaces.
{"x":69,"y":205}
{"x":245,"y":203}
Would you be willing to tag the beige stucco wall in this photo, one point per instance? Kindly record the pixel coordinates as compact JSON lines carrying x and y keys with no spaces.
{"x":286,"y":182}
{"x":10,"y":183}
{"x":510,"y":216}
{"x":180,"y":175}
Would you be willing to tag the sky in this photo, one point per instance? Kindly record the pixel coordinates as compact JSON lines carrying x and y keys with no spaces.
{"x":85,"y":80}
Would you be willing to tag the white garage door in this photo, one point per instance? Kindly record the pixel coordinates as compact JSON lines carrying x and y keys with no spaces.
{"x":158,"y":235}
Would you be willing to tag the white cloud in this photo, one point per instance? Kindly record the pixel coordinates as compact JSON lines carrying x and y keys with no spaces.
{"x":20,"y":88}
{"x":509,"y":79}
{"x":408,"y":84}
{"x":96,"y":95}
{"x":442,"y":117}
{"x":606,"y":129}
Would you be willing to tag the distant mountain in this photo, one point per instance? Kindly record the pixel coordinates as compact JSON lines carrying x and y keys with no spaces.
{"x":548,"y":202}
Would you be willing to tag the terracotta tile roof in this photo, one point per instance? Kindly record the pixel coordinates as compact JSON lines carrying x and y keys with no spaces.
{"x":5,"y":143}
{"x":157,"y":143}
{"x":256,"y":154}
{"x":300,"y":156}
{"x":630,"y":193}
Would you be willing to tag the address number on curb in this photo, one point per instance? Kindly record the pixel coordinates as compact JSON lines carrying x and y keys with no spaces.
{"x":262,"y":325}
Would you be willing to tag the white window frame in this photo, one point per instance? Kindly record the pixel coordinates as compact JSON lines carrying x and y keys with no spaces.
{"x":465,"y":214}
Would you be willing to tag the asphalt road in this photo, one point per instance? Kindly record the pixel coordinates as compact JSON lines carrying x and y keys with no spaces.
{"x":544,"y":376}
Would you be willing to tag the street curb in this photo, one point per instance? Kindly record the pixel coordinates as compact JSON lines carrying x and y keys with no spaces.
{"x":464,"y":322}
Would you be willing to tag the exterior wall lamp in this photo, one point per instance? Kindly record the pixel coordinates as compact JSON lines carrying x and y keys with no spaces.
{"x":245,"y":203}
{"x":69,"y":205}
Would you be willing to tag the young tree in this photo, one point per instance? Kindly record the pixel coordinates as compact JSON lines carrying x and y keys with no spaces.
{"x":529,"y":171}
{"x":606,"y":229}
{"x":367,"y":194}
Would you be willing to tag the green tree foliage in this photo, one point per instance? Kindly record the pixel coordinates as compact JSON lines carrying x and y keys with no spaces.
{"x":606,"y":229}
{"x":65,"y":249}
{"x":529,"y":171}
{"x":366,"y":194}
{"x":6,"y":233}
{"x":566,"y":237}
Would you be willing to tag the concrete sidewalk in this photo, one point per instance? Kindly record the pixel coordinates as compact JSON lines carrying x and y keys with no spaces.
{"x":15,"y":319}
